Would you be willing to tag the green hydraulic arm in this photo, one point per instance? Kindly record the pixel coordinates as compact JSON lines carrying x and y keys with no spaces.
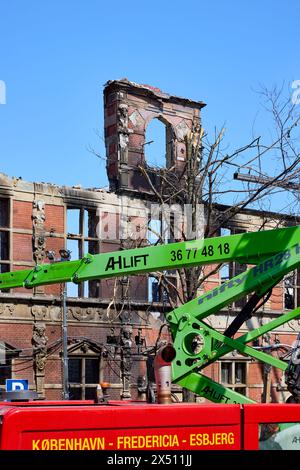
{"x":273,"y":253}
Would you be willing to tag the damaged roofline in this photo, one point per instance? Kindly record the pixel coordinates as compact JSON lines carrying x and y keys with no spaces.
{"x":153,"y":92}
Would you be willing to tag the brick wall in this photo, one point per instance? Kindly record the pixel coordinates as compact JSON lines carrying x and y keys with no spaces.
{"x":22,"y":212}
{"x":23,"y":243}
{"x":128,"y":109}
{"x":22,"y":247}
{"x":54,"y":218}
{"x":20,"y":334}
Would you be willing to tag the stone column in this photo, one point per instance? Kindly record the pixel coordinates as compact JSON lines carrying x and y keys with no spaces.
{"x":39,"y":342}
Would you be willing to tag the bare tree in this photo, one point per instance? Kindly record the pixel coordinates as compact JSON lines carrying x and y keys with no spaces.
{"x":207,"y":175}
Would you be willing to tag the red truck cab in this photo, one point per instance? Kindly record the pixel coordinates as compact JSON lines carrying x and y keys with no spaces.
{"x":131,"y":426}
{"x":137,"y":426}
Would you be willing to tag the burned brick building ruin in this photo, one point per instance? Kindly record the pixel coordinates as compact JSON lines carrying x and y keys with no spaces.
{"x":113,"y":324}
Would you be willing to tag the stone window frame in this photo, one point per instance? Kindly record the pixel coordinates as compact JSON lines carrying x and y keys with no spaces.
{"x":84,"y":289}
{"x":169,"y":140}
{"x":5,"y":264}
{"x":170,"y":274}
{"x":7,"y":361}
{"x":82,"y":385}
{"x":236,"y":268}
{"x":85,"y":350}
{"x":291,"y":290}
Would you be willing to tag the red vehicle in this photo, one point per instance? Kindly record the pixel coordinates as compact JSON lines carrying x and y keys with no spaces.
{"x":235,"y":422}
{"x":136,"y":426}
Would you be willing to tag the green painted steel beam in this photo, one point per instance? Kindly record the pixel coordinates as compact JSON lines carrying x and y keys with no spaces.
{"x":48,"y":273}
{"x":257,"y":332}
{"x":14,"y":279}
{"x":275,"y":252}
{"x":255,"y":279}
{"x":248,"y":350}
{"x":209,"y":354}
{"x":187,"y":359}
{"x":213,"y":391}
{"x":248,"y":248}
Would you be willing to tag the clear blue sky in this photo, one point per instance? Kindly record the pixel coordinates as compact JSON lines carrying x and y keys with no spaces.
{"x":56,"y":56}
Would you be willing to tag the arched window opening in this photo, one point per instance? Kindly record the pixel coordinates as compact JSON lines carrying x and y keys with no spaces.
{"x":158,"y":144}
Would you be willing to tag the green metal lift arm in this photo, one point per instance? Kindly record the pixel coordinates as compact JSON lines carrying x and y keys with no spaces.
{"x":273,"y":253}
{"x":250,"y":248}
{"x":257,"y":279}
{"x":187,"y":325}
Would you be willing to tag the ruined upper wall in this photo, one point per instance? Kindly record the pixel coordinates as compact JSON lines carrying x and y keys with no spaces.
{"x":128,"y":108}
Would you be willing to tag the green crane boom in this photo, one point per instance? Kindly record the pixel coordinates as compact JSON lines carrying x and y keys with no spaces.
{"x":273,"y":253}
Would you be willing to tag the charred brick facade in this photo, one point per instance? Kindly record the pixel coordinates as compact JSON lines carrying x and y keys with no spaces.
{"x":113,"y":322}
{"x":129,"y":108}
